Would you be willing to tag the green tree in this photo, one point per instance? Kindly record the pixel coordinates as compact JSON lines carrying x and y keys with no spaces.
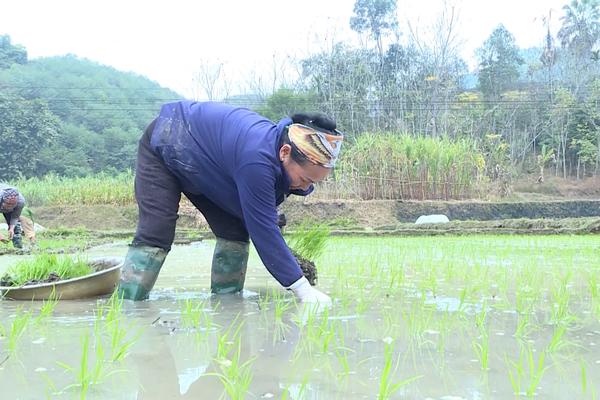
{"x":102,"y":112}
{"x":11,"y":54}
{"x":285,"y":102}
{"x":580,"y":28}
{"x":377,"y":17}
{"x":343,"y":80}
{"x":583,"y":148}
{"x":26,"y":126}
{"x":499,"y":63}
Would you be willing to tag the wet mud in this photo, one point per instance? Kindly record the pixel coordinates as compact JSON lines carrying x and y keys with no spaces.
{"x":309,"y":269}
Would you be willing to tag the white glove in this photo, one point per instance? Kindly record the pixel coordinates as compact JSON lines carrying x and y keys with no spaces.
{"x":308,"y":294}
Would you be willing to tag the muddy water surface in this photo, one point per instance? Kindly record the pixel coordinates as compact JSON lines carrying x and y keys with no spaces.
{"x":413,"y":302}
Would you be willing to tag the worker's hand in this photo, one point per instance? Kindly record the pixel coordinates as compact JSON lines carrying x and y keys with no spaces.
{"x":11,"y":232}
{"x":2,"y":239}
{"x":308,"y":294}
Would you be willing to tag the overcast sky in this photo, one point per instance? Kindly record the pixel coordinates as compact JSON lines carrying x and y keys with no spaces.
{"x":168,"y":41}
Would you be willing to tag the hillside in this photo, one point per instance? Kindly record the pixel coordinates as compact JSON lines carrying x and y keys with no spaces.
{"x":81,"y":117}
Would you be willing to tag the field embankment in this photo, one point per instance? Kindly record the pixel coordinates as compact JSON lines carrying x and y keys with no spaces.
{"x":366,"y":217}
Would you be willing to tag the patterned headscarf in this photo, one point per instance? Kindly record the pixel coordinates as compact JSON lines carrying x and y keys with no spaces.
{"x":318,"y":147}
{"x":7,"y":195}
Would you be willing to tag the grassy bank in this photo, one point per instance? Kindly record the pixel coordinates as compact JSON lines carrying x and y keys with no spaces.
{"x":102,"y":188}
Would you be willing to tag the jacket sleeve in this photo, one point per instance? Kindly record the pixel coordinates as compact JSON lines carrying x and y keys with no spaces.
{"x":256,"y":188}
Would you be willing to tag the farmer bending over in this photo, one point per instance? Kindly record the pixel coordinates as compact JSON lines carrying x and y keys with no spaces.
{"x":11,"y":205}
{"x":236,"y":167}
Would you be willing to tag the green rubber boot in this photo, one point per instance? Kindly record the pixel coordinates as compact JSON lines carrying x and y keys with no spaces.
{"x":17,"y":238}
{"x":229,"y":264}
{"x":140,"y":270}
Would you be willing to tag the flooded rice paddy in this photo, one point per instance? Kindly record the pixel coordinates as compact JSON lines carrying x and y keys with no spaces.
{"x":473,"y":317}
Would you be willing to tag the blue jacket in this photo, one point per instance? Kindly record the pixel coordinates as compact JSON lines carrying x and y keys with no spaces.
{"x":231,"y":156}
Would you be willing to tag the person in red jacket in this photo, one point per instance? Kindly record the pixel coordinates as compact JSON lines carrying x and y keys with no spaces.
{"x":236,"y":167}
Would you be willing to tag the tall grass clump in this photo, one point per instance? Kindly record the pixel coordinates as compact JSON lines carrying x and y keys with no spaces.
{"x":42,"y":266}
{"x":102,"y":188}
{"x":400,"y":166}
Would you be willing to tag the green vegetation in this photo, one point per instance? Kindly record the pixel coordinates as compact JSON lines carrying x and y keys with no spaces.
{"x":196,"y":316}
{"x":234,"y":373}
{"x":309,"y":240}
{"x":17,"y":329}
{"x":386,"y":387}
{"x":407,"y":312}
{"x":47,"y":308}
{"x":394,"y":166}
{"x":46,"y":266}
{"x":112,"y":324}
{"x":102,"y":188}
{"x":91,"y":369}
{"x":78,"y":117}
{"x":418,"y":125}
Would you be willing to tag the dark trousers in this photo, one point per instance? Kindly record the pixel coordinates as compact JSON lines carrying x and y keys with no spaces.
{"x":18,"y":229}
{"x":158,"y":193}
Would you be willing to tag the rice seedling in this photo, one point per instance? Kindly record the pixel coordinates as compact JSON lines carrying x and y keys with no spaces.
{"x":396,"y":278}
{"x":482,"y":351}
{"x":526,"y":368}
{"x":309,"y":240}
{"x":17,"y":329}
{"x":297,"y":390}
{"x":562,"y":296}
{"x":47,"y":308}
{"x":109,"y":321}
{"x":83,"y":375}
{"x":524,"y":326}
{"x":482,"y":347}
{"x":515,"y":373}
{"x":317,"y":331}
{"x":265,"y":299}
{"x":341,"y":355}
{"x":468,"y":318}
{"x":390,"y":324}
{"x":536,"y":371}
{"x":46,"y":266}
{"x":558,"y":341}
{"x":282,"y":305}
{"x":276,"y":301}
{"x":583,"y":376}
{"x":364,"y":303}
{"x":386,"y":387}
{"x":280,"y":327}
{"x":235,"y":375}
{"x":585,"y":385}
{"x":91,"y":369}
{"x":196,"y":315}
{"x":418,"y":319}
